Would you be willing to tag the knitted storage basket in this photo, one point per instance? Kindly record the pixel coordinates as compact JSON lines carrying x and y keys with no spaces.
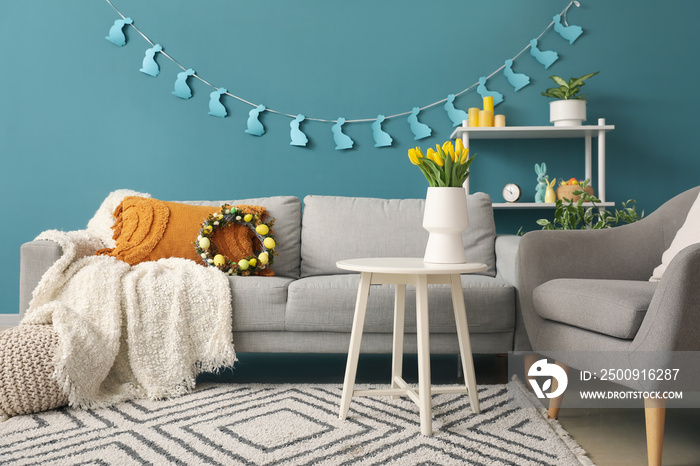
{"x":26,"y":367}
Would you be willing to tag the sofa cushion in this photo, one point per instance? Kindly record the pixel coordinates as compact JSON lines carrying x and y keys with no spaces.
{"x":327,"y":303}
{"x":148,"y":229}
{"x":286,"y":210}
{"x":611,"y":307}
{"x":336,"y":228}
{"x":258,"y":303}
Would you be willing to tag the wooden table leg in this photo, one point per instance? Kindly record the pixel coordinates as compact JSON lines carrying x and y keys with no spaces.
{"x":355,"y":341}
{"x":423,"y":336}
{"x":397,"y":349}
{"x":465,"y":347}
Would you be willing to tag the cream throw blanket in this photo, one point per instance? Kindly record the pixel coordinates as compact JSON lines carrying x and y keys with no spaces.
{"x":130,"y":332}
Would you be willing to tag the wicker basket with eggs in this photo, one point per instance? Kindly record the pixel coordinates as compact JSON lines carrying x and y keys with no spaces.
{"x":567,"y":188}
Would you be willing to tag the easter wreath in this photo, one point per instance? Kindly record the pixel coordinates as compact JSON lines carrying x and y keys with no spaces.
{"x":252,"y":264}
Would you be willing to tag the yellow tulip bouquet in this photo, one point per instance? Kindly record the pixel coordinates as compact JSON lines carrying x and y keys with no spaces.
{"x":446,"y":167}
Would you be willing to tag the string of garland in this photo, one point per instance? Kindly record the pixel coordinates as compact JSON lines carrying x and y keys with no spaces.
{"x":343,"y":141}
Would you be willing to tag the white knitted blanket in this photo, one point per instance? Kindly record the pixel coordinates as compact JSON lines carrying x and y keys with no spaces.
{"x":130,"y":332}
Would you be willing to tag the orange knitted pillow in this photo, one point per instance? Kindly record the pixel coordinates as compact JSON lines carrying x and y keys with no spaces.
{"x":148,"y":229}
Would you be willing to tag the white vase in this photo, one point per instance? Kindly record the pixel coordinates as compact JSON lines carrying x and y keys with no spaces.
{"x":570,"y":112}
{"x":445,"y":218}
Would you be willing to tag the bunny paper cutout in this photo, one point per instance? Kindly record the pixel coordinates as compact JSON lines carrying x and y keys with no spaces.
{"x":116,"y":35}
{"x":456,"y":115}
{"x":182,"y":90}
{"x":149,"y":66}
{"x":342,"y":141}
{"x":517,"y":80}
{"x":297,"y":136}
{"x":569,"y":33}
{"x":254,"y":126}
{"x":216,"y":108}
{"x":545,"y":57}
{"x":484,"y":92}
{"x":418,"y":129}
{"x":381,"y":138}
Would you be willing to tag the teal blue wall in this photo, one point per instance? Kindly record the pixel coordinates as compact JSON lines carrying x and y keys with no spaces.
{"x":78,"y":119}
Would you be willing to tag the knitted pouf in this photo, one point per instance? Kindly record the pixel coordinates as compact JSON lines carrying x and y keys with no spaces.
{"x":26,"y":368}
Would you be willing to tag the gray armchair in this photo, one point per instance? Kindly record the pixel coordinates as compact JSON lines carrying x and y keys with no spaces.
{"x":586,"y":292}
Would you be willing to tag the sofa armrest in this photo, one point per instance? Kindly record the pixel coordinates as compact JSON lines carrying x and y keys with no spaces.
{"x":507,"y":269}
{"x":35,"y":259}
{"x":507,"y":257}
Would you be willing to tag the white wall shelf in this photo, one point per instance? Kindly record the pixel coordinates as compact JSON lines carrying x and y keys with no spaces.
{"x":586,"y":132}
{"x":541,"y":205}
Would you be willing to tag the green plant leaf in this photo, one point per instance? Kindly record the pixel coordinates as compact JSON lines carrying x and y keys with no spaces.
{"x":555,"y":93}
{"x":579,"y":82}
{"x":448,"y":166}
{"x":458,"y":172}
{"x":559,"y":81}
{"x":427,"y":174}
{"x":587,"y":76}
{"x":436,"y":173}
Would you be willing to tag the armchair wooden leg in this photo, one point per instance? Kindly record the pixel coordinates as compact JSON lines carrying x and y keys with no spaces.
{"x":529,"y":360}
{"x":655,"y":414}
{"x":555,"y":403}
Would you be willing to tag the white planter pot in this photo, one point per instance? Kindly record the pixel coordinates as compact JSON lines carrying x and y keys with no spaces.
{"x":445,"y":218}
{"x":567,"y":112}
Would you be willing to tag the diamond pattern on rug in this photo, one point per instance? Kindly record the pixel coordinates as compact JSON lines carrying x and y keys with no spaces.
{"x":287,"y":424}
{"x":280,"y":428}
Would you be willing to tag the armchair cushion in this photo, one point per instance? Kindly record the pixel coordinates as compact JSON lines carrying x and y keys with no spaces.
{"x":688,"y":234}
{"x":610,"y":307}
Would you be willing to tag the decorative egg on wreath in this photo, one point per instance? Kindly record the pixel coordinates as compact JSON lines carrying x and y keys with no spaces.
{"x":264,"y":248}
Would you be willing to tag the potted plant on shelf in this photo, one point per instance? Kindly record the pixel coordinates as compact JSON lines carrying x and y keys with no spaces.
{"x":445,"y":216}
{"x":573,"y":215}
{"x":570,"y":107}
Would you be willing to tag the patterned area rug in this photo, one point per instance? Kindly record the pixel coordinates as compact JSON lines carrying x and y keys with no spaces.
{"x":225,"y":424}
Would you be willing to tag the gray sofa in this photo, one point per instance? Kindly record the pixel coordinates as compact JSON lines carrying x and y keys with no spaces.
{"x":307,"y":307}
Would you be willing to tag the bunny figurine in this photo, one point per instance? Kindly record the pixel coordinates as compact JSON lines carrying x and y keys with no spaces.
{"x":550,"y":195}
{"x":542,"y":183}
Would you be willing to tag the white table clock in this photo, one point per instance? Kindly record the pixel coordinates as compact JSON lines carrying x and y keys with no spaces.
{"x":511,"y":192}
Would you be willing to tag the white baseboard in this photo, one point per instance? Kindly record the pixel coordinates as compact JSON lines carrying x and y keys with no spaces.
{"x":9,"y":320}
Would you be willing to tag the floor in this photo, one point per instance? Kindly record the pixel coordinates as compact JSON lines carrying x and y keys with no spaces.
{"x":617,"y":436}
{"x":612,"y":437}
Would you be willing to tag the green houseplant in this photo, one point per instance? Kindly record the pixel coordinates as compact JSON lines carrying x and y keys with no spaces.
{"x":569,"y":215}
{"x":567,"y":89}
{"x":570,"y":107}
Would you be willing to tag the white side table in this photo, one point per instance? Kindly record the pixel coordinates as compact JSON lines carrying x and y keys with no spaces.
{"x":402,"y":271}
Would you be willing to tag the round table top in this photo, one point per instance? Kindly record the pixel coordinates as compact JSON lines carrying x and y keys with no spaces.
{"x":412,"y":265}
